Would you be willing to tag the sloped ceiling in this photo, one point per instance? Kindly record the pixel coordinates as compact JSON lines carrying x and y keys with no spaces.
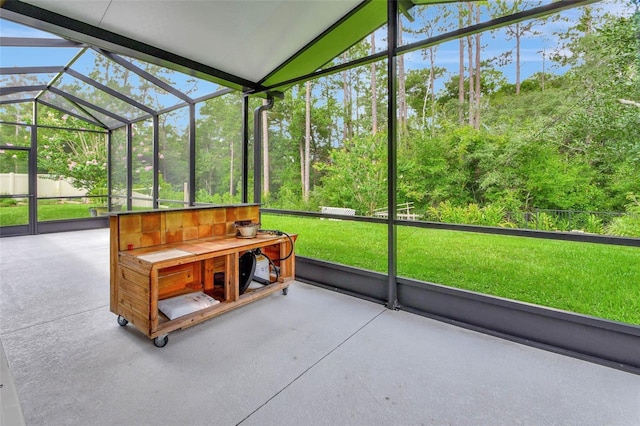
{"x":244,"y":44}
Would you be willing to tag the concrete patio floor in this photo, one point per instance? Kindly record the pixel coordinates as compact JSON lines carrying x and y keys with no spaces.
{"x":313,"y":357}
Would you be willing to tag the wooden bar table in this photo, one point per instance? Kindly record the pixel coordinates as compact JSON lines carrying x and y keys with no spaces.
{"x":143,"y":273}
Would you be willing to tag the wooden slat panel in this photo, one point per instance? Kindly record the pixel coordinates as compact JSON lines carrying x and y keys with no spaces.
{"x":151,"y":222}
{"x":190,"y":233}
{"x":218,"y":264}
{"x":205,"y":217}
{"x":175,"y":279}
{"x":133,"y":290}
{"x":173,"y":221}
{"x":220,"y":215}
{"x":129,"y":231}
{"x":136,"y":306}
{"x":232,"y":215}
{"x":190,"y":219}
{"x":114,"y":249}
{"x":139,"y":293}
{"x":135,"y":277}
{"x":140,"y":322}
{"x":220,"y":229}
{"x":205,"y":230}
{"x":150,"y":239}
{"x":174,"y":236}
{"x":153,"y":303}
{"x":131,"y":264}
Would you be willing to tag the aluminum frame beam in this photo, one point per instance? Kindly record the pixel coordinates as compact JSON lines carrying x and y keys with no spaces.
{"x":37,"y":42}
{"x":392,"y":154}
{"x":73,"y":114}
{"x":56,"y":69}
{"x":87,"y":104}
{"x":110,"y":91}
{"x":144,"y":74}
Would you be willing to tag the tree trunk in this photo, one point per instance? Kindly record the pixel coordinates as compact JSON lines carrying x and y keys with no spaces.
{"x":402,"y":92}
{"x":461,"y":69}
{"x":265,"y":152}
{"x":472,"y":93}
{"x":231,"y":155}
{"x":307,"y":143}
{"x":347,"y":131}
{"x":424,"y":105}
{"x":544,"y":54}
{"x":476,"y":121}
{"x":517,"y":58}
{"x":374,"y":94}
{"x":432,"y":84}
{"x":301,"y":150}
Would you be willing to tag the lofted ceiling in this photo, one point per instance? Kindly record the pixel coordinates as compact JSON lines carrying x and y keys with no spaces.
{"x":242,"y":44}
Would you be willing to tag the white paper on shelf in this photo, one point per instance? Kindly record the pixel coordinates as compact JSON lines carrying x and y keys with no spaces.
{"x":164,"y":255}
{"x":178,"y":306}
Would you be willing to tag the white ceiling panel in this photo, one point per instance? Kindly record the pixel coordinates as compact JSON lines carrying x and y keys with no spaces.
{"x":246,"y":38}
{"x":89,"y":11}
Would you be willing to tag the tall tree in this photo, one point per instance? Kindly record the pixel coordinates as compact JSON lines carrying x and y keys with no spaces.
{"x":477,"y":73}
{"x":307,"y":144}
{"x":374,"y":90}
{"x":435,"y":19}
{"x":402,"y":92}
{"x":347,"y":131}
{"x":461,"y":96}
{"x":518,"y":30}
{"x":472,"y":93}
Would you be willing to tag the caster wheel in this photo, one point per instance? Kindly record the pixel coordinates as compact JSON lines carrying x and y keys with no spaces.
{"x":161,"y":341}
{"x":122,"y":321}
{"x":285,"y":291}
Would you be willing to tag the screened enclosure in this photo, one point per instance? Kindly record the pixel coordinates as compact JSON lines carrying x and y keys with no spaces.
{"x":463,"y":164}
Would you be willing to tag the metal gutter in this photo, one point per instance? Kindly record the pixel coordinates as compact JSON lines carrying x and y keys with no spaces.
{"x":257,"y":149}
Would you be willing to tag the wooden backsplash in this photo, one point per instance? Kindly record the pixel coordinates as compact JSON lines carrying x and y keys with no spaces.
{"x":150,"y":228}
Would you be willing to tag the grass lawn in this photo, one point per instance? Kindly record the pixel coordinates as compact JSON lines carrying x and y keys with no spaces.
{"x":593,"y":279}
{"x":19,"y":215}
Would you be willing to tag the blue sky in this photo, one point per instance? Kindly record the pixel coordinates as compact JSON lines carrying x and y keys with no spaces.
{"x":447,"y":56}
{"x":532,"y":47}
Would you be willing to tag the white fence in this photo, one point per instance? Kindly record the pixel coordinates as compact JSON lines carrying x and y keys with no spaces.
{"x":404,"y":212}
{"x":18,"y":184}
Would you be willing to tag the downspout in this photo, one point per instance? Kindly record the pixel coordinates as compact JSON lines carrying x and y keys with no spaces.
{"x":191,"y":196}
{"x":109,"y":169}
{"x":257,"y":149}
{"x":245,"y":148}
{"x":155,"y":190}
{"x":129,"y":165}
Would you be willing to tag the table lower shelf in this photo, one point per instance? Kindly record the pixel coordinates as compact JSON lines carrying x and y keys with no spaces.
{"x":165,"y":325}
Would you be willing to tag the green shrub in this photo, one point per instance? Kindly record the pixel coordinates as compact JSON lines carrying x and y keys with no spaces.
{"x":471,"y":214}
{"x":593,"y":225}
{"x":8,"y":202}
{"x":545,"y":222}
{"x":629,"y":224}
